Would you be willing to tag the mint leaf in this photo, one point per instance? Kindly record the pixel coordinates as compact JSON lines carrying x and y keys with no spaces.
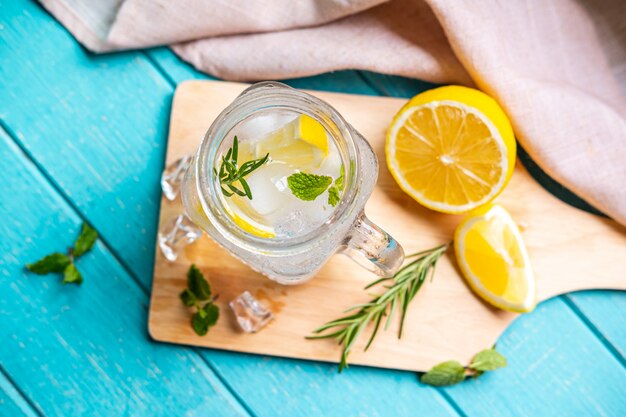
{"x":446,"y":373}
{"x":85,"y":241}
{"x":339,"y":181}
{"x":488,"y":360}
{"x":55,"y":262}
{"x":197,"y":284}
{"x":188,"y":298}
{"x":205,"y":318}
{"x":333,"y":196}
{"x":308,"y":187}
{"x":71,"y":275}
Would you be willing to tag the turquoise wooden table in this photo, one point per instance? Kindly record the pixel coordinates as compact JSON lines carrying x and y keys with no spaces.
{"x":83,"y":139}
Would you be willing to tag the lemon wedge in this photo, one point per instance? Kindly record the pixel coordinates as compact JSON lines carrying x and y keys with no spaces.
{"x":452,"y":149}
{"x":494,"y":261}
{"x":312,"y":132}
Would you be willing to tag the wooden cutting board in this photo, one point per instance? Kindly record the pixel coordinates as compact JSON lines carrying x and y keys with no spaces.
{"x":570,"y":250}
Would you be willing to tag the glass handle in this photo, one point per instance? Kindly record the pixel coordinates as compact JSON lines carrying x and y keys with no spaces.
{"x":373,"y":248}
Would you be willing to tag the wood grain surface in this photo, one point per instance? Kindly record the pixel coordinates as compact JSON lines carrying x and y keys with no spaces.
{"x":570,"y":250}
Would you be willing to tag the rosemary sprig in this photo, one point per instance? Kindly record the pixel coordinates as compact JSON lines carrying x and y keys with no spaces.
{"x":400,"y":290}
{"x":230,"y":172}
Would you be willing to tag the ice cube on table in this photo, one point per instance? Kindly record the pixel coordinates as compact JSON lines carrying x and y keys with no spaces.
{"x":176,"y":234}
{"x":251,"y":315}
{"x":172,"y":177}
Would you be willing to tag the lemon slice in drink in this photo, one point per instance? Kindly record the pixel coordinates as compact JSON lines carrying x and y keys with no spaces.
{"x":248,"y":224}
{"x":493,"y":259}
{"x":452,"y":149}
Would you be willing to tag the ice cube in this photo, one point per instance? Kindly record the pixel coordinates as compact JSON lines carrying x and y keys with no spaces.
{"x":251,"y":315}
{"x":331,"y":165}
{"x":315,"y":212}
{"x":269,"y":188}
{"x":177,"y":234}
{"x":258,"y":127}
{"x":173,"y":175}
{"x":292,"y":224}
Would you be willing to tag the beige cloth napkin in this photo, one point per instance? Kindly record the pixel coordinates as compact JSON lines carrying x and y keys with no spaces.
{"x":557,"y":67}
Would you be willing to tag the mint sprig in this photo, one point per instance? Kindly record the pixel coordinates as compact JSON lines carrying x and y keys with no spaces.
{"x":308,"y":187}
{"x":446,"y":373}
{"x":85,"y":241}
{"x":57,"y":262}
{"x":452,"y":372}
{"x":199,"y":290}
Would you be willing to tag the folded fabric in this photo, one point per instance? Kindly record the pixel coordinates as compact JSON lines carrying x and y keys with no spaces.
{"x":561,"y":80}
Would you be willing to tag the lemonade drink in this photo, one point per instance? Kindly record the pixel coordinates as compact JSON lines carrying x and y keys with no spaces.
{"x":281,"y":144}
{"x":290,"y":191}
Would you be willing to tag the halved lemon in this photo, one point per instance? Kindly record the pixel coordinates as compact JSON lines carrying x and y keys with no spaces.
{"x":451,"y":148}
{"x":493,"y":259}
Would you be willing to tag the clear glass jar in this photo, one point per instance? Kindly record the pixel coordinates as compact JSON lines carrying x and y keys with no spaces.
{"x":292,"y":260}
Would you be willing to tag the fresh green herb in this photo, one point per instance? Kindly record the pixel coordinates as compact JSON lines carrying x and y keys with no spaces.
{"x":85,"y":241}
{"x":335,"y":190}
{"x":198,"y":289}
{"x":399,"y":291}
{"x":452,"y":372}
{"x":58,"y":262}
{"x":230,"y":172}
{"x":339,"y":180}
{"x":198,"y":285}
{"x":488,"y":360}
{"x":55,"y":262}
{"x":308,"y":187}
{"x":71,"y":275}
{"x":333,"y":196}
{"x":205,"y":318}
{"x":446,"y":373}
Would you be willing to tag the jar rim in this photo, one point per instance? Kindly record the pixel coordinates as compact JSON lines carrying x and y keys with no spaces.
{"x":261,"y":97}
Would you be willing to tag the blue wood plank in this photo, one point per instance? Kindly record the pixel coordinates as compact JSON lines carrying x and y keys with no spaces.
{"x":395,"y":86}
{"x":556,"y":367}
{"x":338,"y":81}
{"x":173,"y":68}
{"x":286,"y":387}
{"x":12,"y":402}
{"x":96,"y":125}
{"x":84,"y":350}
{"x":598,"y":307}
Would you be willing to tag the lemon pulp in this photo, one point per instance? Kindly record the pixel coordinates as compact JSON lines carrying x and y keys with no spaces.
{"x":452,"y":149}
